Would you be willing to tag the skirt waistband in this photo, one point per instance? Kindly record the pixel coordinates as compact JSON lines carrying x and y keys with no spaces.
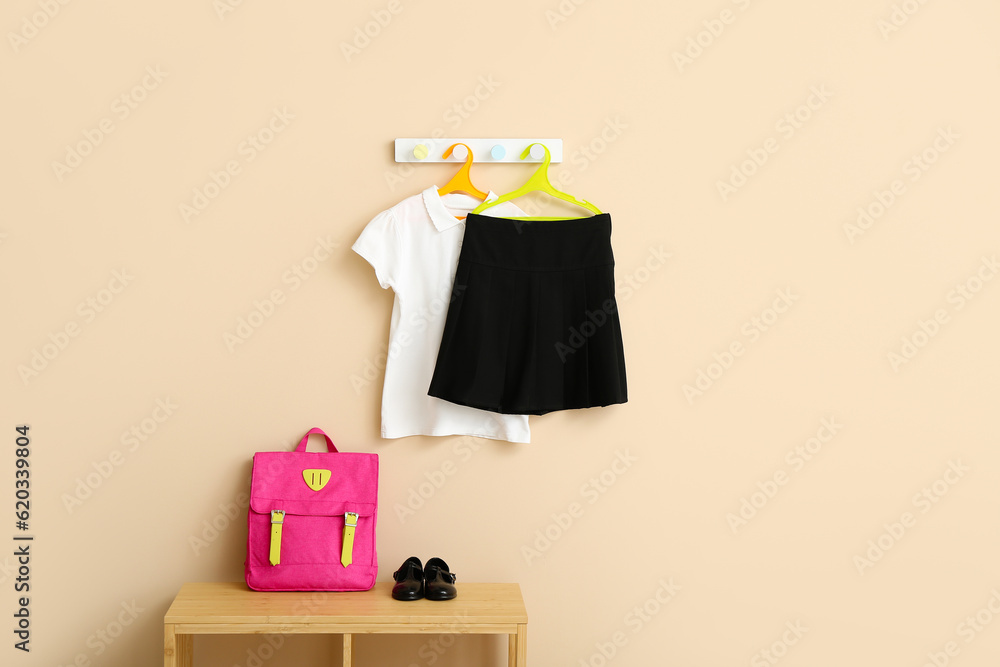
{"x":538,"y":245}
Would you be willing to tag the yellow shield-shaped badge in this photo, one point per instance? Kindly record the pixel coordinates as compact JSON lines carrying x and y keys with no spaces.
{"x":316,"y":479}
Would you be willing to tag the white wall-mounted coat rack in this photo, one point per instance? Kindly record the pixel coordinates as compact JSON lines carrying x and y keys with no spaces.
{"x":425,"y":149}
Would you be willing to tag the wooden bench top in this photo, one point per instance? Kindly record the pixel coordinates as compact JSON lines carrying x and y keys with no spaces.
{"x":232,"y":603}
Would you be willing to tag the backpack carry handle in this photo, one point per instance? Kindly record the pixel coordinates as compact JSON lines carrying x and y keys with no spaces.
{"x":305,"y":439}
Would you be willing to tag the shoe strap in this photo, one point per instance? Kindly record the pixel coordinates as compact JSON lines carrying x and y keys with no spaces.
{"x":432,"y":572}
{"x":405,"y":570}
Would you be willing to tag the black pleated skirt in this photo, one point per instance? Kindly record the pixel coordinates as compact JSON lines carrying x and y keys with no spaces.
{"x":533,"y":324}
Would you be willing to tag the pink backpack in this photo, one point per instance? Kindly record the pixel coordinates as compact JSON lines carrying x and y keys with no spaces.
{"x":311,"y":520}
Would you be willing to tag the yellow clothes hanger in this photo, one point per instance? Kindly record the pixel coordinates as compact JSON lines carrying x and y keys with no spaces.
{"x":539,"y":181}
{"x":461,"y":181}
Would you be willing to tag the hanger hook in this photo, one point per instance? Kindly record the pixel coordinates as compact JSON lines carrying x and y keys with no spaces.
{"x":545,"y":160}
{"x":450,"y":149}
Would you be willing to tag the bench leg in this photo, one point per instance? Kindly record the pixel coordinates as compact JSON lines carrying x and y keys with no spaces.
{"x":517,"y":647}
{"x":348,"y":650}
{"x":178,"y":650}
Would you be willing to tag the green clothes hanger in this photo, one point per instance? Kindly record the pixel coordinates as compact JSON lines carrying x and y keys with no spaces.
{"x":539,"y":182}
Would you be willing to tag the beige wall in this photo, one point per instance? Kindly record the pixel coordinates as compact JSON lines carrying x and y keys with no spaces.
{"x":836,"y":440}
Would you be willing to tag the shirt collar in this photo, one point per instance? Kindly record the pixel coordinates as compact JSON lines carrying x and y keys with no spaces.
{"x":440,"y":215}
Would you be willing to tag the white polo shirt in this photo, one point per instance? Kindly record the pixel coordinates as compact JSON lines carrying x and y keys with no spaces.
{"x":414,"y":248}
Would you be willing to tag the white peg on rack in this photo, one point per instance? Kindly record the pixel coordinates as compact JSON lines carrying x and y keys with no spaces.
{"x":537,"y":152}
{"x":460,"y":153}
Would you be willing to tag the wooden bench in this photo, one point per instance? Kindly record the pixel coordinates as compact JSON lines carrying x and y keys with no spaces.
{"x":232,"y":608}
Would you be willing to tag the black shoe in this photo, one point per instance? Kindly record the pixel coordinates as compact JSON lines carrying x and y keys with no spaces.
{"x":409,"y":580}
{"x":439,"y":582}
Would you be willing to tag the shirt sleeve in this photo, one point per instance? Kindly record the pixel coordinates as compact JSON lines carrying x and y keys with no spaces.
{"x":381,"y":247}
